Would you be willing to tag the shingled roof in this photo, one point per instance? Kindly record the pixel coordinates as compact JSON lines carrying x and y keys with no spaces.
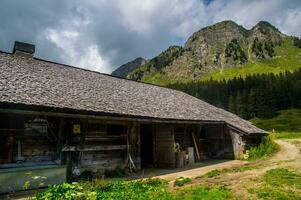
{"x":30,"y":81}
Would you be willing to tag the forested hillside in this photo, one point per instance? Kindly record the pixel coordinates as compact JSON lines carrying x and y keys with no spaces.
{"x":253,"y":96}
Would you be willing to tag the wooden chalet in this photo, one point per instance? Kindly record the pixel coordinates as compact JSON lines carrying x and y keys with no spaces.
{"x":59,"y":121}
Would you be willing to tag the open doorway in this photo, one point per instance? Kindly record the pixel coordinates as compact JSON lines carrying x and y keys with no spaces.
{"x":146,"y":145}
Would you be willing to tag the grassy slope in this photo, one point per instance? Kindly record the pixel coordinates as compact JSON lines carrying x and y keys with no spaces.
{"x":279,"y":184}
{"x":288,"y":57}
{"x":287,"y":124}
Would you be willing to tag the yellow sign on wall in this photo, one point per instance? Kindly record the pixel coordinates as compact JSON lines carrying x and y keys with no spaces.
{"x":76,"y":128}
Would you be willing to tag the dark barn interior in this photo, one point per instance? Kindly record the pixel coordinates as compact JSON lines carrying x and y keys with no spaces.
{"x":95,"y":144}
{"x":146,"y":145}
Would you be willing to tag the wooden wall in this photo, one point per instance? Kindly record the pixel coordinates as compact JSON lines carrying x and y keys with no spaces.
{"x":164,"y":146}
{"x":100,"y":144}
{"x":215,"y":141}
{"x":238,"y":143}
{"x":35,"y":146}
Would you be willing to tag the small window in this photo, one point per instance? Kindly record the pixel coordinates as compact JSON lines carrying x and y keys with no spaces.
{"x":36,"y":126}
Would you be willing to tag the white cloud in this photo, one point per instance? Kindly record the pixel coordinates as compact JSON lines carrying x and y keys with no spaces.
{"x":100,"y":35}
{"x":248,"y":13}
{"x":89,"y":58}
{"x":92,"y":60}
{"x":292,"y":23}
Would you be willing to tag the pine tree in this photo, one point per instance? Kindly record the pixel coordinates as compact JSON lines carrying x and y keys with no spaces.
{"x":232,"y":104}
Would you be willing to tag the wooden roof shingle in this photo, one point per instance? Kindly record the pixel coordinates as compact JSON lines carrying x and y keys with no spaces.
{"x":30,"y":81}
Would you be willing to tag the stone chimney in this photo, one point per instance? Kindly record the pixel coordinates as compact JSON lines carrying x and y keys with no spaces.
{"x":21,"y":48}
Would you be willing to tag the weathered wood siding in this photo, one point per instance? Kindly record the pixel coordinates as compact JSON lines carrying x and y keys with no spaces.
{"x":238,"y":143}
{"x":164,"y":146}
{"x":215,"y":141}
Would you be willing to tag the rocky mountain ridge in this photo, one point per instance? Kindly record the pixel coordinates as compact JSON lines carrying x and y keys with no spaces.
{"x":215,"y":48}
{"x":128,"y":67}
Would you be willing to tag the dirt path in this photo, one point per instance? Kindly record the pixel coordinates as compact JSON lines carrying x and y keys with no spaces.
{"x":196,"y":172}
{"x":288,"y":156}
{"x":289,"y":150}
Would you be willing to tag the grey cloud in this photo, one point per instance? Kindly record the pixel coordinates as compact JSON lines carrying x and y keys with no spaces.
{"x":109,"y":33}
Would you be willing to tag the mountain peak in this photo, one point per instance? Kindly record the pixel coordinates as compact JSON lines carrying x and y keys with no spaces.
{"x":128,"y":67}
{"x":221,"y":25}
{"x":226,"y":22}
{"x":214,"y":49}
{"x":264,"y":25}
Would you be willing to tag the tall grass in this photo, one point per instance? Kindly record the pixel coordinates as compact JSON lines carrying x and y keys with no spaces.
{"x":266,"y":148}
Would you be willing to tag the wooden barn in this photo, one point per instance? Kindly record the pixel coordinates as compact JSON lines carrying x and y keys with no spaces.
{"x":59,"y":121}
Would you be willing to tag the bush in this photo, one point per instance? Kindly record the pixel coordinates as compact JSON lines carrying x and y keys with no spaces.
{"x":182,"y":181}
{"x":115,"y":173}
{"x":297,"y":42}
{"x":151,"y":189}
{"x":141,"y":189}
{"x":215,"y":172}
{"x":63,"y":191}
{"x":266,"y":148}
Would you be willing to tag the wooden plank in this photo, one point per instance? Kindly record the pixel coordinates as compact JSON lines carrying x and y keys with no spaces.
{"x":60,"y":138}
{"x":165,"y":154}
{"x":94,"y":148}
{"x":195,"y":147}
{"x":84,"y":130}
{"x":103,"y":138}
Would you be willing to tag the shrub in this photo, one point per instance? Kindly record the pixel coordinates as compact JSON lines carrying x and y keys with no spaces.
{"x":141,"y":189}
{"x":297,"y":42}
{"x":266,"y":148}
{"x":115,"y":173}
{"x":213,"y":173}
{"x":182,"y":181}
{"x":63,"y":191}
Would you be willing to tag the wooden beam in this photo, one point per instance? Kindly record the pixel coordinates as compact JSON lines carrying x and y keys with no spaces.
{"x":94,"y":148}
{"x":196,"y":147}
{"x":84,"y":130}
{"x":60,"y":138}
{"x":113,"y":118}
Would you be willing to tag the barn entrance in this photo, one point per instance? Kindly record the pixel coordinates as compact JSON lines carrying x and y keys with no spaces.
{"x":216,"y":142}
{"x":146,"y":145}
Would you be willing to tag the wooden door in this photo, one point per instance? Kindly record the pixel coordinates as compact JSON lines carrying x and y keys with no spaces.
{"x":164,"y":146}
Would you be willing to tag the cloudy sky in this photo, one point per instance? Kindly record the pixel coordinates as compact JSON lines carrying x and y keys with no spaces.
{"x":103,"y":34}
